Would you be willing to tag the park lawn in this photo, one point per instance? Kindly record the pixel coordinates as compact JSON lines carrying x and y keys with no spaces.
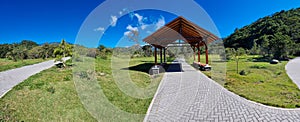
{"x":6,"y":64}
{"x":51,"y":94}
{"x":47,"y":96}
{"x":218,"y":72}
{"x":263,"y":82}
{"x":138,"y":70}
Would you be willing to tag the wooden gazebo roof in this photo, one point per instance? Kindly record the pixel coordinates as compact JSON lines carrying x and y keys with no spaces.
{"x":180,"y":29}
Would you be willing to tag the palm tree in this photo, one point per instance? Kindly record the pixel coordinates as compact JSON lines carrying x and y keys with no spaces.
{"x":64,"y":49}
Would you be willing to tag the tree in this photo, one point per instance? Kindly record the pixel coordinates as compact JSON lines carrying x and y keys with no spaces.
{"x":281,"y":45}
{"x":17,"y":52}
{"x":4,"y":48}
{"x":28,"y":44}
{"x":101,"y":47}
{"x":46,"y":50}
{"x":265,"y":46}
{"x":35,"y":52}
{"x":64,"y":49}
{"x":236,"y":54}
{"x":147,"y":50}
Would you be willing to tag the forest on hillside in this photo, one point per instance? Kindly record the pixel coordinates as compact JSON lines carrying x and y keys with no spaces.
{"x":28,"y":49}
{"x":275,"y":36}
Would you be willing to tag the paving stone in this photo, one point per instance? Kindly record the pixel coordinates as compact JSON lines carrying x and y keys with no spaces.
{"x":191,"y":96}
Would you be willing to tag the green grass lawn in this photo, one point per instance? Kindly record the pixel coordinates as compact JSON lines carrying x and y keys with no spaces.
{"x":47,"y":96}
{"x":51,"y":94}
{"x":263,"y":82}
{"x":6,"y":64}
{"x":139,"y":76}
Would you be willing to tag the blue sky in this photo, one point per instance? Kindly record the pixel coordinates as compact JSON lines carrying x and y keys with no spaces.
{"x":52,"y":20}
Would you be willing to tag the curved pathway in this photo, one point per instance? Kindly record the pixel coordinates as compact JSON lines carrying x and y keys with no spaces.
{"x":11,"y":78}
{"x":192,"y":96}
{"x":293,"y":70}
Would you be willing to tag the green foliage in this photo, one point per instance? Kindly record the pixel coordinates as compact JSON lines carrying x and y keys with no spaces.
{"x":4,"y":48}
{"x":63,"y":50}
{"x":147,"y":50}
{"x":26,"y":50}
{"x":274,"y":36}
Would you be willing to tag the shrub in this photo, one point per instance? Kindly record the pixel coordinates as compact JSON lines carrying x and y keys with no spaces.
{"x":242,"y":72}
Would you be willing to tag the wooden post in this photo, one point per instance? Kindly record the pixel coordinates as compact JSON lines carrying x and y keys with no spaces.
{"x":164,"y":55}
{"x":155,"y":55}
{"x":198,"y":52}
{"x":206,"y":54}
{"x":194,"y":53}
{"x":160,"y":55}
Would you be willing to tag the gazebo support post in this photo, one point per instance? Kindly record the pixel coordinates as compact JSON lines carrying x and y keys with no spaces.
{"x":155,"y":55}
{"x":198,"y":47}
{"x":160,"y":55}
{"x":194,"y":53}
{"x":206,"y":53}
{"x":164,"y":55}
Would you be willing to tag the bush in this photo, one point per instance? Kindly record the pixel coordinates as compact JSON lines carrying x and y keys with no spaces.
{"x":242,"y":72}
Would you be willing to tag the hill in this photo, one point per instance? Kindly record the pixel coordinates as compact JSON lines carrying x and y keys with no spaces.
{"x":277,"y":35}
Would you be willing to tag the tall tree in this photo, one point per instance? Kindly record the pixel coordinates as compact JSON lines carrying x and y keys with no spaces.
{"x":46,"y":50}
{"x":281,"y":45}
{"x":147,"y":50}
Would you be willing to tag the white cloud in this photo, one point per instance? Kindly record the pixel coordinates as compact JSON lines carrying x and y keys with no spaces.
{"x":129,"y":27}
{"x":99,"y":29}
{"x":127,"y":33}
{"x":140,"y":21}
{"x":161,"y":22}
{"x":113,"y":20}
{"x":131,"y":30}
{"x":132,"y":34}
{"x":139,"y":17}
{"x":143,"y":27}
{"x":120,"y":12}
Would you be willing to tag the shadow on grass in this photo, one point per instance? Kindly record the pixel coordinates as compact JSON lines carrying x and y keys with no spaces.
{"x":146,"y":67}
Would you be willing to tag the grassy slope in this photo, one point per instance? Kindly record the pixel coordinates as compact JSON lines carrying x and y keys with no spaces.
{"x":116,"y":96}
{"x":264,"y":83}
{"x":46,"y":96}
{"x":51,"y":95}
{"x":6,"y":64}
{"x":268,"y":84}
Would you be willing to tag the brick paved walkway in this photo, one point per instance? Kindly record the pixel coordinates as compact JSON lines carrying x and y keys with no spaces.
{"x":191,"y":96}
{"x":11,"y":78}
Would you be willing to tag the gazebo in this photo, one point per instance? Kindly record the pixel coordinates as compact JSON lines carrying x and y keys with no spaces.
{"x":180,"y":29}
